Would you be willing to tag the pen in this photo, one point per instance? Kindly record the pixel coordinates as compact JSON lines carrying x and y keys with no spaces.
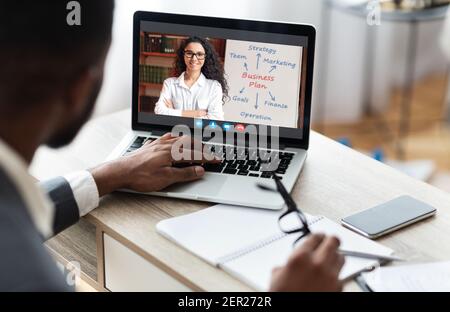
{"x":358,"y":254}
{"x":362,"y":284}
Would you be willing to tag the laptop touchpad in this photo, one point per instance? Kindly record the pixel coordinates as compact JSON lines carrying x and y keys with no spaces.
{"x":210,"y":184}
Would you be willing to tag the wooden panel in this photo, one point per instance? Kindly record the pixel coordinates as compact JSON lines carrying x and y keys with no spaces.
{"x":78,"y":243}
{"x":127,"y":271}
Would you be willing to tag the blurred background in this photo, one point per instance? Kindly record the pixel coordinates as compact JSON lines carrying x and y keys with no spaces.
{"x":381,"y":72}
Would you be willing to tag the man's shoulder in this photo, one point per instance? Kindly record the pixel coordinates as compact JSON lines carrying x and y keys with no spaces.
{"x":25,"y":265}
{"x":11,"y":201}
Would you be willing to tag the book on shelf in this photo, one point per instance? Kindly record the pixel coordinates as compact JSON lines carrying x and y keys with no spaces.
{"x":151,"y":43}
{"x":171,"y":44}
{"x":153,"y":74}
{"x":154,"y":43}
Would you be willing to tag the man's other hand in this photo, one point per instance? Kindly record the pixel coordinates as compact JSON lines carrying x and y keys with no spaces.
{"x":314,"y":266}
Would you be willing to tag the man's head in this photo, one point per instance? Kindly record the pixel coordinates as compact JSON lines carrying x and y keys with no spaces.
{"x":50,"y":68}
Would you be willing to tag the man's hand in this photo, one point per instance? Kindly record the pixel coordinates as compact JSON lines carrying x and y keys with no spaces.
{"x":314,"y":266}
{"x":149,"y":168}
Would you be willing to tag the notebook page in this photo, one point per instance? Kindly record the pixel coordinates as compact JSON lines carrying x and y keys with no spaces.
{"x":255,"y":268}
{"x":221,"y":230}
{"x":433,"y":277}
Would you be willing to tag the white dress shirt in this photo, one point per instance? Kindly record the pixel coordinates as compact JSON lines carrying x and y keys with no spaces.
{"x":41,"y":208}
{"x":39,"y":205}
{"x":205,"y":94}
{"x":84,"y":190}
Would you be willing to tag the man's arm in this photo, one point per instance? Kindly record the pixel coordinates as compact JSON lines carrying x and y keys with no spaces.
{"x":66,"y":207}
{"x":151,"y":167}
{"x":148,"y":169}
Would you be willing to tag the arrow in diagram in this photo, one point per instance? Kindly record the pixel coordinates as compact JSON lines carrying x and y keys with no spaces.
{"x":271,"y":96}
{"x":257,"y":62}
{"x":245,"y":66}
{"x":272,"y":68}
{"x":242,"y":90}
{"x":257,"y":98}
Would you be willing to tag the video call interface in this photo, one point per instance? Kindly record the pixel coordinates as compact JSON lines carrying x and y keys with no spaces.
{"x":232,"y":81}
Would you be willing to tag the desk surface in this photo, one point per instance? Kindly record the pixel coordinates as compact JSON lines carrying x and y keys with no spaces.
{"x":336,"y":181}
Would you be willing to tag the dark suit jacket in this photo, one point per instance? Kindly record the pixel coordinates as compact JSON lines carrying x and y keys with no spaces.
{"x":25,"y":264}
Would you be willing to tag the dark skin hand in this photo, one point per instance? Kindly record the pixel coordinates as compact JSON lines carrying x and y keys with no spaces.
{"x":151,"y":168}
{"x":314,"y":266}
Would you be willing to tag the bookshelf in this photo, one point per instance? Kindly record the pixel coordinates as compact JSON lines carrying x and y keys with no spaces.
{"x":157,"y":58}
{"x":159,"y":54}
{"x":151,"y":85}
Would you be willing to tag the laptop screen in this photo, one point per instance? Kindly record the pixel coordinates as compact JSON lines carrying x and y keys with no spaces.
{"x":198,"y":73}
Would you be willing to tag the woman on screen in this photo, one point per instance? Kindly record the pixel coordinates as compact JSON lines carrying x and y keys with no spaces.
{"x":199,"y":89}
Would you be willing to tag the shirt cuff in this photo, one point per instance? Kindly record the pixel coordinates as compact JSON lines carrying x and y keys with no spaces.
{"x":84,"y":190}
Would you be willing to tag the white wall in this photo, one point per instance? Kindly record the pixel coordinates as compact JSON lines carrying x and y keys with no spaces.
{"x":445,"y":43}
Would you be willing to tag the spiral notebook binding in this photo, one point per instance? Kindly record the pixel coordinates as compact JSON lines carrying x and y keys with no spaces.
{"x":262,"y":243}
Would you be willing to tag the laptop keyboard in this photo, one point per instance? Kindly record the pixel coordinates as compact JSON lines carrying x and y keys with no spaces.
{"x":241,"y":161}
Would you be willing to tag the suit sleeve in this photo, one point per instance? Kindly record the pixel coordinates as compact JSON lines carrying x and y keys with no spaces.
{"x":73,"y":196}
{"x":66,"y":208}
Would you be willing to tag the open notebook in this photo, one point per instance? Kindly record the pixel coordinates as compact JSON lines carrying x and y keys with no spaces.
{"x":248,"y":244}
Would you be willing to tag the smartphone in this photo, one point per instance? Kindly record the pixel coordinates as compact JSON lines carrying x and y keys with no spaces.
{"x":388,"y":217}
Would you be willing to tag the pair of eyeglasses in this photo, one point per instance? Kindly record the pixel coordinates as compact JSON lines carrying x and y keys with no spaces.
{"x":292,"y":220}
{"x":199,"y":55}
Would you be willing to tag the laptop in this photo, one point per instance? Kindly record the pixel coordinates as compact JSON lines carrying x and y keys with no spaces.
{"x":254,"y":85}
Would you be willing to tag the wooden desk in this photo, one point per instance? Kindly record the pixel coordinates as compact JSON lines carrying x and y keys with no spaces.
{"x":336,"y":181}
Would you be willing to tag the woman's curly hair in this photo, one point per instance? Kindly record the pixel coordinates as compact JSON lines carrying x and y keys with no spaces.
{"x":212,"y":67}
